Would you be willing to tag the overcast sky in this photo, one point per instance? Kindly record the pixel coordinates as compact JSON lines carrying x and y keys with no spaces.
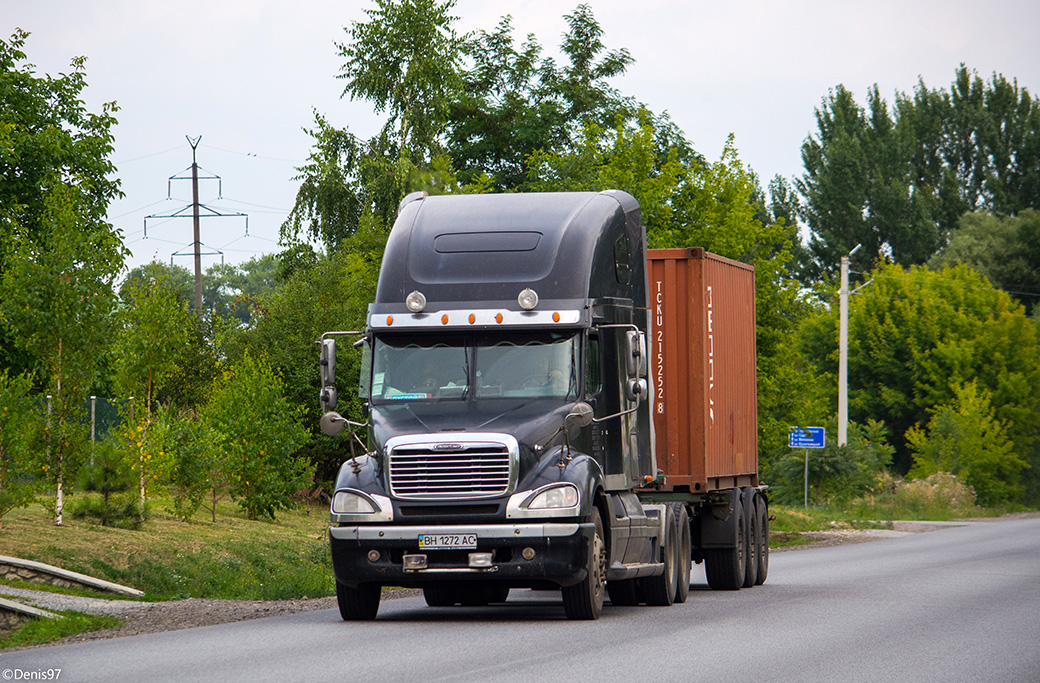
{"x":247,"y":75}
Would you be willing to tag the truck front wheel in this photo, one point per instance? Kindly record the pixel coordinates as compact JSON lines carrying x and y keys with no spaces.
{"x":358,"y":604}
{"x":584,"y":600}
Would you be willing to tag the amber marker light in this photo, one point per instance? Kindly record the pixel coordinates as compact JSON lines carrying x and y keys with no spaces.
{"x":389,"y":320}
{"x":444,"y":319}
{"x":556,"y":317}
{"x":472,"y":318}
{"x":498,"y":318}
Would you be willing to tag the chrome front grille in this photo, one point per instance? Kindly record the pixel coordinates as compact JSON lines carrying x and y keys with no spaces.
{"x":431,"y":467}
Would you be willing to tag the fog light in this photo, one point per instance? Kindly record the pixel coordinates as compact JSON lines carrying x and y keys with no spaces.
{"x":414,"y":563}
{"x":373,"y":556}
{"x":527,"y":553}
{"x":480,"y":560}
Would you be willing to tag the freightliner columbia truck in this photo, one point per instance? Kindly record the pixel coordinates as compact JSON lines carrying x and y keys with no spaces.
{"x":550,"y":406}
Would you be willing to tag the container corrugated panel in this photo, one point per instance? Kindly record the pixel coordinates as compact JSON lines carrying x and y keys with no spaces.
{"x":702,"y":353}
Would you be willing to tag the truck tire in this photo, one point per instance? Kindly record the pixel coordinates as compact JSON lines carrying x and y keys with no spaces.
{"x":762,"y":510}
{"x":445,"y":595}
{"x":623,"y":592}
{"x":682,"y":523}
{"x":725,"y":567}
{"x":753,"y":542}
{"x":358,"y":604}
{"x":584,"y":600}
{"x":659,"y":590}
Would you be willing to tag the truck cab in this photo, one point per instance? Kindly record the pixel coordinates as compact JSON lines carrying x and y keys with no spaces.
{"x":506,"y":377}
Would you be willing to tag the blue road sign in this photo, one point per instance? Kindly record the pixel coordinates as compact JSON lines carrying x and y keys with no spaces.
{"x":806,"y":437}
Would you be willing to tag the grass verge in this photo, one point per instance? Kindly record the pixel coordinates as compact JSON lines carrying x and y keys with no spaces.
{"x":232,"y":558}
{"x":41,"y":631}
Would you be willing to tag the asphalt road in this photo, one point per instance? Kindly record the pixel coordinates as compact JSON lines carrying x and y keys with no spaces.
{"x":959,"y":604}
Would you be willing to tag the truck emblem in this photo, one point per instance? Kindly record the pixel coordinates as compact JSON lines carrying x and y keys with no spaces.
{"x":448,"y":447}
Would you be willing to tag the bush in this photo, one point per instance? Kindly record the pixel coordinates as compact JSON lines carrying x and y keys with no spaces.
{"x":939,"y":496}
{"x":837,"y":474}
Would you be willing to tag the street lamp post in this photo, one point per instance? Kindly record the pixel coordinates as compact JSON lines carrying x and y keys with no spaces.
{"x":843,"y":351}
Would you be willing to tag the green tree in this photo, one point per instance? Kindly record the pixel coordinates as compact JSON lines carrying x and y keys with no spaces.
{"x":859,"y":189}
{"x":108,"y":476}
{"x":191,"y":463}
{"x":965,"y":438}
{"x":20,"y":427}
{"x":47,"y":137}
{"x":917,"y":335}
{"x":515,"y":103}
{"x":59,"y":305}
{"x":405,"y":61}
{"x":154,"y":328}
{"x":177,"y":278}
{"x":1005,"y":249}
{"x":229,"y":290}
{"x":258,"y":433}
{"x":332,"y":295}
{"x":898,"y":181}
{"x":974,"y":146}
{"x":703,"y":204}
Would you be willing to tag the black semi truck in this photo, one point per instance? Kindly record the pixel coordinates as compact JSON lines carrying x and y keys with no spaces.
{"x":509,"y":386}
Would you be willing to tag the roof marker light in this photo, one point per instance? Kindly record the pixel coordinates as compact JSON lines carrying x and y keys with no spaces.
{"x":527,"y":299}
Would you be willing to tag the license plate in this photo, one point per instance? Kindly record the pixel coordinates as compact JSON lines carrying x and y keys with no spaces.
{"x":447,"y":541}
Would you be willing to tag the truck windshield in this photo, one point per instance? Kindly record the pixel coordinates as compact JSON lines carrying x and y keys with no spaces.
{"x":528,"y":365}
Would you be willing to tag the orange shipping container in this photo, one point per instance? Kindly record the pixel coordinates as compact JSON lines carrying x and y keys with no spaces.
{"x":702,"y":352}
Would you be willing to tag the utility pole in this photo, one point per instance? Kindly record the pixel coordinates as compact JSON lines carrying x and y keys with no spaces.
{"x":195,"y":220}
{"x":196,"y":214}
{"x":843,"y":351}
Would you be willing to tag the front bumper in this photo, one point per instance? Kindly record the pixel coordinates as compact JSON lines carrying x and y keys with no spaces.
{"x":560,"y":550}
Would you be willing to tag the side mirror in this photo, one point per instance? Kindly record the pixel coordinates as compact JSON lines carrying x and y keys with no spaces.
{"x":635,"y":389}
{"x":580,"y":415}
{"x":635,"y":353}
{"x":328,"y":362}
{"x":332,"y":423}
{"x":328,"y":399}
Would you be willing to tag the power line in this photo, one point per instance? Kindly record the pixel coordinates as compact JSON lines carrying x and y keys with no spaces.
{"x":949,"y":284}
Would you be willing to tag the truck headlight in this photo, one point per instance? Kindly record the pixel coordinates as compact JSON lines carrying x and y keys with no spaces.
{"x":556,"y":497}
{"x":353,"y":503}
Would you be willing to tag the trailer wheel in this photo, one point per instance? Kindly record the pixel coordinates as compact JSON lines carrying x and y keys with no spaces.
{"x":358,"y":604}
{"x":623,"y":592}
{"x":584,"y":600}
{"x":725,"y":567}
{"x":440,"y":596}
{"x":660,"y":590}
{"x":762,"y":511}
{"x":753,"y":542}
{"x":682,"y":521}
